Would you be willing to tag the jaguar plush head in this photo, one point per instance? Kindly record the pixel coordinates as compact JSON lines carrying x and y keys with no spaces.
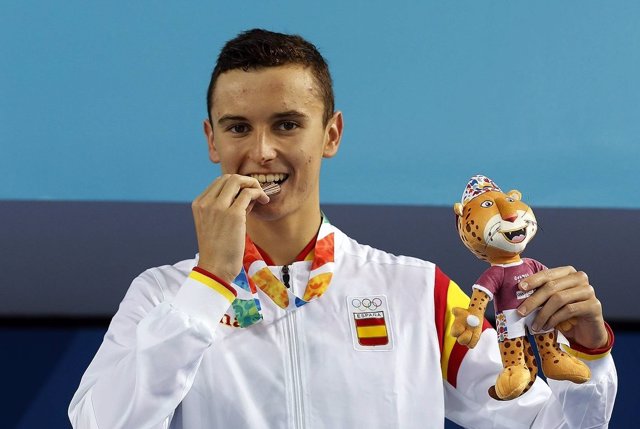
{"x":494,"y":225}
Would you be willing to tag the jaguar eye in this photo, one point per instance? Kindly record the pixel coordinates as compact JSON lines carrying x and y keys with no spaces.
{"x":487,"y":203}
{"x":509,"y":199}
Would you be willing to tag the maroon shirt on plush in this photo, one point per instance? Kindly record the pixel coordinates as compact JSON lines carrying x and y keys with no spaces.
{"x":502,"y":282}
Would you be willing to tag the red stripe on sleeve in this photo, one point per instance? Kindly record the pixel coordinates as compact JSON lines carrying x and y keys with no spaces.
{"x":606,"y":348}
{"x":486,"y":325}
{"x":440,"y":290}
{"x":457,"y":355}
{"x":216,"y":278}
{"x":455,"y":359}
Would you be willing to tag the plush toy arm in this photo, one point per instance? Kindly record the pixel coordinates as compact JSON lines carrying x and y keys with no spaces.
{"x":467,"y":325}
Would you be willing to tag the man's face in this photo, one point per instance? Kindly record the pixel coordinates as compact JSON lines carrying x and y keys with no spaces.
{"x":269,"y":122}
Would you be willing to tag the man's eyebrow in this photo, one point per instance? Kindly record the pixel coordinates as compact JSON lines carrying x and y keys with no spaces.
{"x":227,"y":118}
{"x":290,"y":114}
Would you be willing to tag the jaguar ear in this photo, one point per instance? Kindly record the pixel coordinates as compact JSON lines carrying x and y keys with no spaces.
{"x":515,"y":194}
{"x":457,"y":209}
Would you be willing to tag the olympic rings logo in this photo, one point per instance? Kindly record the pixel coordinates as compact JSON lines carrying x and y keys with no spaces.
{"x":367,"y":304}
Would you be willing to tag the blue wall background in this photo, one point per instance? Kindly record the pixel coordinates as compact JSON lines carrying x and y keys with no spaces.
{"x":104,"y":102}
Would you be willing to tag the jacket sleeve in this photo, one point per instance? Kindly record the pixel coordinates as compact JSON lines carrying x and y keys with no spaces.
{"x":149,"y":357}
{"x":469,"y":373}
{"x":561,"y":404}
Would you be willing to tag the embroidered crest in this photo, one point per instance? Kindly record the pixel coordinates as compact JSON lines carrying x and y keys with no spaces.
{"x":370,"y":323}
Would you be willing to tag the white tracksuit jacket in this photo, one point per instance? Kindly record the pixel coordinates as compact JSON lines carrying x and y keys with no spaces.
{"x":168,"y":362}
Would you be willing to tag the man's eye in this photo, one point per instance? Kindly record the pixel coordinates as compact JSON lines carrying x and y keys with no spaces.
{"x":239,"y":128}
{"x":287,"y":126}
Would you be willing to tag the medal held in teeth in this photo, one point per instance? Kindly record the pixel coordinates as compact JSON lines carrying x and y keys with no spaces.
{"x":270,"y":188}
{"x":270,"y":182}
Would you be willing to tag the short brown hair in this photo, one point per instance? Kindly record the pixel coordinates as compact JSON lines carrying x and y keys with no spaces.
{"x":255,"y":49}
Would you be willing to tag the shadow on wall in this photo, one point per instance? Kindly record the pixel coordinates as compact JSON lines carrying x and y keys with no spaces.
{"x":91,"y":251}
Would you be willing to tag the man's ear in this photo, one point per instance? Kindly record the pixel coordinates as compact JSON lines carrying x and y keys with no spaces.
{"x":333,"y":135}
{"x":208,"y":133}
{"x":515,"y":194}
{"x":457,"y":209}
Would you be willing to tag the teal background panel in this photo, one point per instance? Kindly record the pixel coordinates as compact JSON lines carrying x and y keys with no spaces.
{"x":104,"y":101}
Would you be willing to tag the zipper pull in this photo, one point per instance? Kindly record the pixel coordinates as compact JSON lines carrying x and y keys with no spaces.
{"x":285,"y":276}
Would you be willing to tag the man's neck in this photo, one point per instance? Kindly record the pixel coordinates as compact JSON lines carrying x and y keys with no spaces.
{"x":283,"y":239}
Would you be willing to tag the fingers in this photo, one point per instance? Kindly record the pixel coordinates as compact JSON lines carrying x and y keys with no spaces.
{"x":246,"y":197}
{"x":225,"y":192}
{"x":211,"y":191}
{"x":553,"y":285}
{"x":232,"y":185}
{"x":545,"y":276}
{"x":220,"y":216}
{"x":239,"y":184}
{"x":562,"y":294}
{"x":567,"y":325}
{"x":571,"y":303}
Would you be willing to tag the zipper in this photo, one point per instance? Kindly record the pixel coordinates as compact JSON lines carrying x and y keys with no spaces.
{"x":294,"y":357}
{"x":285,"y":276}
{"x":296,"y":378}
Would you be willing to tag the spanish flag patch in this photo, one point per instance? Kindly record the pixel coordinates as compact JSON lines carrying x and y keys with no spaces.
{"x":370,"y":322}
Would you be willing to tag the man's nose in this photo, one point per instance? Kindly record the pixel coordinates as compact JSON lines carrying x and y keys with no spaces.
{"x":263,"y":149}
{"x":507,"y":210}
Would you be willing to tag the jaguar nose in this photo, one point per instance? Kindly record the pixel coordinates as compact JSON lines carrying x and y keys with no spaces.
{"x":511,"y":218}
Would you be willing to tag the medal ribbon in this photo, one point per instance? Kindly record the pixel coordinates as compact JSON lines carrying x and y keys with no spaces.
{"x":255,"y":272}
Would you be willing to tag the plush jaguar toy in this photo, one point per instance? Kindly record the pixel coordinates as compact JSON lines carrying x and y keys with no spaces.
{"x":496,"y":227}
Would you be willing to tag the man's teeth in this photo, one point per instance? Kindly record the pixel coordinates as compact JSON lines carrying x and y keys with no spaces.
{"x":266,"y":178}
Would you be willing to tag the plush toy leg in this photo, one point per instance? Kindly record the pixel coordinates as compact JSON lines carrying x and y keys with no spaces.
{"x":530,"y":360}
{"x":558,"y":365}
{"x":515,"y":376}
{"x":532,"y":366}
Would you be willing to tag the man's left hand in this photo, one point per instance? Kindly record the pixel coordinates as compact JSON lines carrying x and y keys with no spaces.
{"x":565,"y":295}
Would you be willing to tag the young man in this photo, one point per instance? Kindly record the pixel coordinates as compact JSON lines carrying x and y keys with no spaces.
{"x":316,"y":331}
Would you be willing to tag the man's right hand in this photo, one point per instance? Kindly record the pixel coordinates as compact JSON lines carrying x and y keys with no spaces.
{"x":220,"y":217}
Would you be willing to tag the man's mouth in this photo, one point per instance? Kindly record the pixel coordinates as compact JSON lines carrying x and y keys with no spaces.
{"x":278,"y":178}
{"x":515,"y":236}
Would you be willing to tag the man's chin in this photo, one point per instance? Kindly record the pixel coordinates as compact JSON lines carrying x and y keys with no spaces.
{"x":266,"y":212}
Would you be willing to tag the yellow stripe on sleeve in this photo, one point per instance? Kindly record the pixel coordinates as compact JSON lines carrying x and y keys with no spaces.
{"x":208,"y":281}
{"x":581,"y":355}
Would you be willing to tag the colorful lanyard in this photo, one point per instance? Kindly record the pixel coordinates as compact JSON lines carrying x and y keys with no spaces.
{"x":256,"y":273}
